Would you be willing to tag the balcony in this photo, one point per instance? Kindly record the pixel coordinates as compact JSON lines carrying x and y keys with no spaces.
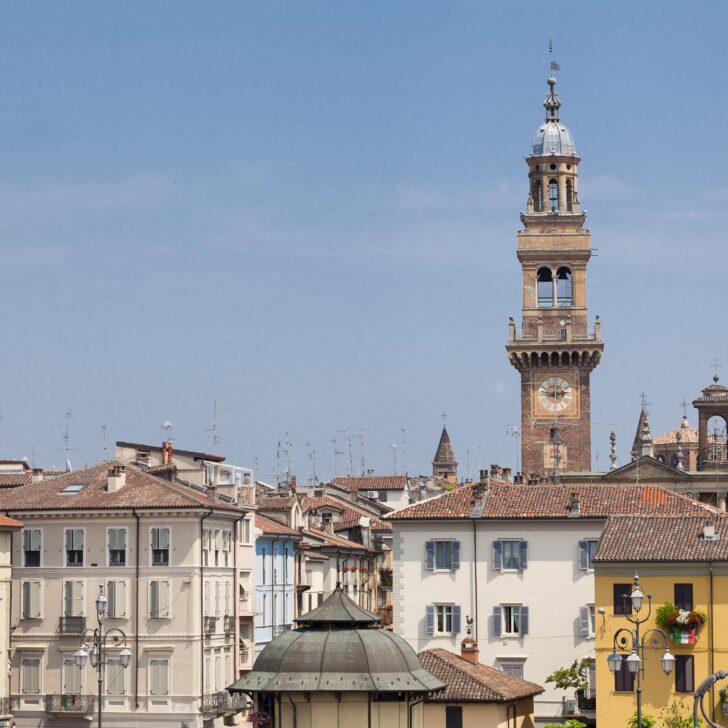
{"x":279,"y":629}
{"x":70,"y":704}
{"x":210,"y":625}
{"x":228,"y":624}
{"x":5,"y":707}
{"x":244,"y":655}
{"x":217,"y":703}
{"x":586,"y":701}
{"x":72,"y":625}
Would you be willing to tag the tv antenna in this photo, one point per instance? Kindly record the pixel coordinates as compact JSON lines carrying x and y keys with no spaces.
{"x":312,"y":479}
{"x":167,"y":428}
{"x":362,"y":461}
{"x":393,"y":448}
{"x":215,"y":438}
{"x":104,"y":432}
{"x":66,"y":425}
{"x":515,"y":432}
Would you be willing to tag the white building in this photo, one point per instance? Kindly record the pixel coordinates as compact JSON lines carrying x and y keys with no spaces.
{"x":516,"y":560}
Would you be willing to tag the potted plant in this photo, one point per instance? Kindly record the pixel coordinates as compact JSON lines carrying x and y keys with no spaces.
{"x":258,"y":719}
{"x":681,"y":624}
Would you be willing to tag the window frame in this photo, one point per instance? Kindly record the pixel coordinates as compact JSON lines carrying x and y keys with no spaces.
{"x":625,"y":608}
{"x":82,"y":549}
{"x":160,"y":658}
{"x":168,"y":615}
{"x":66,"y":582}
{"x":168,"y":549}
{"x":448,"y":614}
{"x":624,"y":677}
{"x":116,"y":660}
{"x":23,"y":550}
{"x":454,"y":716}
{"x":109,"y":549}
{"x":680,"y":603}
{"x":511,"y":662}
{"x":23,"y":614}
{"x":112,"y":598}
{"x":69,"y":661}
{"x":588,"y":565}
{"x":684,"y":678}
{"x":508,"y":632}
{"x":23,"y":667}
{"x":512,"y":545}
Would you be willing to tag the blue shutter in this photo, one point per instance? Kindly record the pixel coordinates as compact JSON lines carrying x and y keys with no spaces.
{"x":496,"y":627}
{"x":430,"y":619}
{"x":429,"y":555}
{"x":455,"y":556}
{"x":456,"y":619}
{"x":584,"y":621}
{"x":524,"y":621}
{"x":583,"y":554}
{"x":497,"y":555}
{"x":523,"y":554}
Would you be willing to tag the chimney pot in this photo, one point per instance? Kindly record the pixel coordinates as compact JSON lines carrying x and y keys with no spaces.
{"x":37,"y":475}
{"x":506,"y":473}
{"x":116,"y":478}
{"x":484,"y":476}
{"x":469,"y":650}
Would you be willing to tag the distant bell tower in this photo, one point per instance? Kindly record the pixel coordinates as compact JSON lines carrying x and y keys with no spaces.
{"x":554,"y":351}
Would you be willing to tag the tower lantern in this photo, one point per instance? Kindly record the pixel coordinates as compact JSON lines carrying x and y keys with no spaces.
{"x":554,"y":352}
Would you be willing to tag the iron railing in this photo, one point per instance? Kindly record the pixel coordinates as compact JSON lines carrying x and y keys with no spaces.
{"x":5,"y":706}
{"x":70,"y":703}
{"x":279,"y":629}
{"x":72,"y":625}
{"x":217,"y":702}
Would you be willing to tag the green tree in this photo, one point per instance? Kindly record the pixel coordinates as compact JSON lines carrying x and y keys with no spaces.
{"x":572,"y":723}
{"x":576,"y":676}
{"x":677,"y":715}
{"x":647,"y":721}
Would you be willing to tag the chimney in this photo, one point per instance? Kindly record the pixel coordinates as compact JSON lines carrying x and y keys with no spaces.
{"x":469,"y":650}
{"x":495,"y":471}
{"x":483,"y":477}
{"x":506,"y":474}
{"x":293,"y":484}
{"x":117,"y":478}
{"x":164,"y":452}
{"x":518,"y":478}
{"x":575,"y":507}
{"x":37,"y":475}
{"x":170,"y":444}
{"x":709,"y":533}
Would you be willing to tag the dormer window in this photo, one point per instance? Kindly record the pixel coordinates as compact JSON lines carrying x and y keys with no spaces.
{"x":73,"y":488}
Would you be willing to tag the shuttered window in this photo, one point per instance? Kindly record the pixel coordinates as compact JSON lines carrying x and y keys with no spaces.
{"x":442,"y":619}
{"x":208,"y":599}
{"x":442,"y":555}
{"x":587,"y":621}
{"x":159,"y":676}
{"x":684,"y":596}
{"x":158,"y":599}
{"x":31,"y":546}
{"x":74,"y":546}
{"x":587,"y":549}
{"x":684,"y":673}
{"x":117,"y":546}
{"x":623,"y":678}
{"x":115,"y":677}
{"x":116,"y":598}
{"x":510,"y":620}
{"x":30,"y":675}
{"x":228,"y":598}
{"x":217,"y":599}
{"x":71,"y":677}
{"x":72,"y":598}
{"x":510,"y":555}
{"x":31,"y":599}
{"x":160,"y":546}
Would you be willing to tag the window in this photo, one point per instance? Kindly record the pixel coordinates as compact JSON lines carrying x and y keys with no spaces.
{"x":545,"y":288}
{"x":537,"y":197}
{"x":31,"y":599}
{"x":623,"y":678}
{"x":587,"y":621}
{"x":226,"y":541}
{"x":514,"y":668}
{"x":217,"y":598}
{"x":72,"y":598}
{"x":510,"y":555}
{"x":74,"y":547}
{"x":510,"y":620}
{"x":208,"y":598}
{"x":117,"y":546}
{"x":442,"y":619}
{"x":73,"y":488}
{"x":453,"y":716}
{"x":71,"y":677}
{"x":217,"y":544}
{"x":564,"y":294}
{"x":158,"y":599}
{"x":622,"y":604}
{"x":553,"y":195}
{"x":569,"y":195}
{"x":383,"y":496}
{"x":116,"y":599}
{"x":206,"y":546}
{"x":587,"y":549}
{"x":115,"y":677}
{"x":31,"y":547}
{"x":228,"y":598}
{"x":159,"y":676}
{"x":245,"y":530}
{"x":160,"y":547}
{"x":684,"y":674}
{"x":442,"y":555}
{"x":30,"y":675}
{"x":262,"y":559}
{"x":684,"y":596}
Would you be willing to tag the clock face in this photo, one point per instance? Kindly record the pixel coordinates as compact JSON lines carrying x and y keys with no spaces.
{"x":555,"y":394}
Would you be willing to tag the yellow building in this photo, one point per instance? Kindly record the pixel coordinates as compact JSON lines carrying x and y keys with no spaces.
{"x":681,"y":561}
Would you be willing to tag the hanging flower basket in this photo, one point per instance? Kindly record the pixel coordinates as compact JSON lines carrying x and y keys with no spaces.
{"x":681,"y":624}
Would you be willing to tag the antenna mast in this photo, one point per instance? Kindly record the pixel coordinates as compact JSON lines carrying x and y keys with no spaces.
{"x":104,"y":448}
{"x":362,"y":463}
{"x":215,"y":438}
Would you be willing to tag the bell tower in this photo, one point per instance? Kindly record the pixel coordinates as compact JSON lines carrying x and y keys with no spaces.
{"x":554,"y":351}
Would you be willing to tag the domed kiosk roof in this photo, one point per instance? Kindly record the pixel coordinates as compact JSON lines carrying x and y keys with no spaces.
{"x":336,"y":650}
{"x":552,"y":137}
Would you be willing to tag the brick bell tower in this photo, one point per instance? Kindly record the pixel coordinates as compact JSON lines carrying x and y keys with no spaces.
{"x":554,"y":352}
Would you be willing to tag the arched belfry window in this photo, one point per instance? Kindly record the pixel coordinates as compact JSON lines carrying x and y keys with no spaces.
{"x":545,"y":285}
{"x":717,"y":438}
{"x":537,"y":196}
{"x":569,"y":195}
{"x":564,"y":295}
{"x":553,"y":195}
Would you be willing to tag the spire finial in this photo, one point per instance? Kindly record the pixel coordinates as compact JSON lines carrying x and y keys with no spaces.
{"x":552,"y":103}
{"x":613,"y":450}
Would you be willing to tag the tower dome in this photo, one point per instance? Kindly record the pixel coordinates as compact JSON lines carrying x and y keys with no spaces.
{"x":552,"y":137}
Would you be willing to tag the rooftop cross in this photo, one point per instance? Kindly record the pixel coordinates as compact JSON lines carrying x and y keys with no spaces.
{"x":715,"y":366}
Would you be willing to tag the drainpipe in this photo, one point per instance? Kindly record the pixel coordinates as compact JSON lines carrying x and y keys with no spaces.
{"x":475,"y":567}
{"x":202,"y":613}
{"x":136,"y":613}
{"x":293,"y":706}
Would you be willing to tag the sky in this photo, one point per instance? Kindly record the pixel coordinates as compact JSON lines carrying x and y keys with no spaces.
{"x":307,"y":212}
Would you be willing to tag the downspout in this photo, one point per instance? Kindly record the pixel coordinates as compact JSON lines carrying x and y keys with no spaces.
{"x":712,"y":650}
{"x":295,"y":715}
{"x":136,"y":612}
{"x":475,"y":567}
{"x":202,"y":613}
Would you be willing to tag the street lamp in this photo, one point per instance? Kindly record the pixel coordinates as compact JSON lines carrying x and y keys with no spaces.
{"x":94,"y":643}
{"x":629,"y":639}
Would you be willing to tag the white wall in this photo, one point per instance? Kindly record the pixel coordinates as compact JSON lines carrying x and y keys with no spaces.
{"x":552,"y":586}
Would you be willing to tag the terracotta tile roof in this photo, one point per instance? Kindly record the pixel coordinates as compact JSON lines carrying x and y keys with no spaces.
{"x":350,"y":514}
{"x":10,"y":480}
{"x":175,"y":451}
{"x":333,"y":540}
{"x":166,"y":468}
{"x":507,"y":500}
{"x":663,"y":538}
{"x":469,"y":683}
{"x":273,"y":528}
{"x":142,"y":490}
{"x":273,"y":503}
{"x":372,"y":482}
{"x":689,"y":437}
{"x":6,"y":522}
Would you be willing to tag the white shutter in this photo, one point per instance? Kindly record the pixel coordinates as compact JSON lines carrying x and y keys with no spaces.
{"x":78,"y":539}
{"x":120,"y":599}
{"x":155,"y":538}
{"x":71,"y":677}
{"x":163,"y":599}
{"x":30,"y":668}
{"x":218,"y":539}
{"x":77,"y":598}
{"x":113,"y":538}
{"x":218,"y":673}
{"x":153,"y":598}
{"x":228,"y":600}
{"x":159,"y":676}
{"x":115,"y":683}
{"x":217,"y":598}
{"x":69,"y":539}
{"x":68,"y":599}
{"x":207,"y":598}
{"x":163,"y":538}
{"x":208,"y":674}
{"x":206,"y":539}
{"x":73,"y":599}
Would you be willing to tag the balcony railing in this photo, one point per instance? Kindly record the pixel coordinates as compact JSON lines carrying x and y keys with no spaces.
{"x":228,"y":624}
{"x":279,"y":629}
{"x":586,"y":701}
{"x":210,"y":625}
{"x":72,"y":625}
{"x":218,"y":703}
{"x":5,"y":707}
{"x":79,"y":704}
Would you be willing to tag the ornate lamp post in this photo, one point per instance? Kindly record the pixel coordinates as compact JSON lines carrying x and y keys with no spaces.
{"x":96,"y":639}
{"x":630,"y":639}
{"x":700,"y":693}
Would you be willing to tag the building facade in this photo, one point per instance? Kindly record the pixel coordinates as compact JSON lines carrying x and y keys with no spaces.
{"x":555,"y":351}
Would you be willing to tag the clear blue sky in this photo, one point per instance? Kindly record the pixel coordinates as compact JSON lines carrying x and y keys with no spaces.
{"x":307,"y":211}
